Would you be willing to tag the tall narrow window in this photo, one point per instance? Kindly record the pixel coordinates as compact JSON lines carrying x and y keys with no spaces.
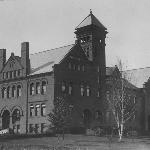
{"x":19,"y":73}
{"x":83,"y":68}
{"x":37,"y":110}
{"x":31,"y":110}
{"x":70,"y":89}
{"x":79,"y":67}
{"x":69,"y":65}
{"x":98,"y":69}
{"x":63,"y":87}
{"x":31,"y":128}
{"x":88,"y":90}
{"x":15,"y":74}
{"x":13,"y":91}
{"x":19,"y":90}
{"x":11,"y":74}
{"x":82,"y":90}
{"x":4,"y":92}
{"x":31,"y":89}
{"x":8,"y":92}
{"x":38,"y":88}
{"x":42,"y":127}
{"x":43,"y":110}
{"x":36,"y":128}
{"x":4,"y":75}
{"x":43,"y":87}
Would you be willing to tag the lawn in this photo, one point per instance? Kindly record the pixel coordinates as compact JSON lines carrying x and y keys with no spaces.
{"x":76,"y":142}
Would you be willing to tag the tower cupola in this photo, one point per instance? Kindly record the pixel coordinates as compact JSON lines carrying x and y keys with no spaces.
{"x":91,"y":34}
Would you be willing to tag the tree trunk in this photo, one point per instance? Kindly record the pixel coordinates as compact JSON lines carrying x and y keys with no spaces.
{"x":120,"y":130}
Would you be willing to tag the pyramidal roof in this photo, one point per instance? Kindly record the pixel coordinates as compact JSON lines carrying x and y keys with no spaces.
{"x":90,"y":20}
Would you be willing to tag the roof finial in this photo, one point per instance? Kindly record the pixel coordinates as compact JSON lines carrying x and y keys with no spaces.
{"x":90,"y":11}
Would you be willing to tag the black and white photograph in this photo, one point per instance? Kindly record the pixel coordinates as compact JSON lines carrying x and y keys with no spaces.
{"x":74,"y":75}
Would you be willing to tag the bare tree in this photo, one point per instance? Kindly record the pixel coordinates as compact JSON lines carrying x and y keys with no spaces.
{"x":121,"y":103}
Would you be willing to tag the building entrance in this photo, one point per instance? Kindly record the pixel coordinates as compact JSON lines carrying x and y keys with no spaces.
{"x":5,"y":119}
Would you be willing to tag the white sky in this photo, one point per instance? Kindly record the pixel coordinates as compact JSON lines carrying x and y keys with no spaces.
{"x":49,"y":24}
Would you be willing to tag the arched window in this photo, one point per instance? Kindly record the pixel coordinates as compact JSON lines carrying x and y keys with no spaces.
{"x":70,"y":88}
{"x":88,"y":90}
{"x":4,"y":92}
{"x":37,"y":110}
{"x":13,"y":91}
{"x":43,"y":110}
{"x":15,"y":116}
{"x":63,"y":86}
{"x":43,"y":87}
{"x":31,"y":89}
{"x":31,"y":110}
{"x":19,"y":90}
{"x":8,"y":92}
{"x":38,"y":90}
{"x":82,"y":90}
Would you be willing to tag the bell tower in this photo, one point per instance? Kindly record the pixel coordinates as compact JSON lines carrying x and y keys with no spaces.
{"x":91,"y":34}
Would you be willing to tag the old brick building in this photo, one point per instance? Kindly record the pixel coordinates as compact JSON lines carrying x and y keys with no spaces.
{"x":30,"y":83}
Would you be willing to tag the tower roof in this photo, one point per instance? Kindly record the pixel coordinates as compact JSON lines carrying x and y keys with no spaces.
{"x":91,"y":20}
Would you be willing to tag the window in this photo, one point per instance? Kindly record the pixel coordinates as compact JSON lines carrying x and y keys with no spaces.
{"x":98,"y":115}
{"x":4,"y":93}
{"x":31,"y":110}
{"x":98,"y":79}
{"x":11,"y":74}
{"x":43,"y":87}
{"x":42,"y":127}
{"x":15,"y":73}
{"x":83,"y":68}
{"x":31,"y":128}
{"x":98,"y":69}
{"x":31,"y":89}
{"x":70,"y":89}
{"x":88,"y":91}
{"x":107,"y":95}
{"x":74,"y":67}
{"x":69,"y":65}
{"x":4,"y":75}
{"x":43,"y":110}
{"x":18,"y":128}
{"x":19,"y":73}
{"x":82,"y":90}
{"x":18,"y":90}
{"x":38,"y":88}
{"x":79,"y":67}
{"x":37,"y":110}
{"x":36,"y":128}
{"x":13,"y":91}
{"x":134,"y":99}
{"x":8,"y":92}
{"x":63,"y":87}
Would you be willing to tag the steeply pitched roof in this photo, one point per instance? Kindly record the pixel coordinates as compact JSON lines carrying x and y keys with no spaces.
{"x":90,"y":20}
{"x":43,"y":61}
{"x":110,"y":70}
{"x":138,"y":76}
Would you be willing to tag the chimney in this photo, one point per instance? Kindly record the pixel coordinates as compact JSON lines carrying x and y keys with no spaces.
{"x":2,"y":58}
{"x":25,"y":58}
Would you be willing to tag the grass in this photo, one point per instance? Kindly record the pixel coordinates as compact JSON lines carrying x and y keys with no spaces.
{"x":80,"y":142}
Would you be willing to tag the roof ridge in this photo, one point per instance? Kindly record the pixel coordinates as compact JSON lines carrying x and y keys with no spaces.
{"x":137,"y":69}
{"x":51,"y":49}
